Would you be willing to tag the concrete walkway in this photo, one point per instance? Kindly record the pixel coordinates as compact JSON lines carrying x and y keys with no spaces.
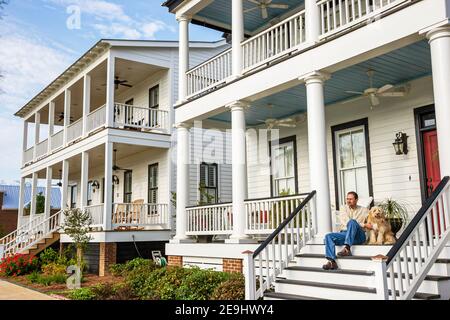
{"x":9,"y":291}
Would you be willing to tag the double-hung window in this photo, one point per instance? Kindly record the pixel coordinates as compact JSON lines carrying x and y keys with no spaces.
{"x":127,"y":187}
{"x":153,"y":104}
{"x":283,"y":167}
{"x":153,"y":183}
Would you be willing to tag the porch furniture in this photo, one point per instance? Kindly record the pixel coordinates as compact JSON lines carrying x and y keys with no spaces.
{"x":134,"y":215}
{"x":119,"y":216}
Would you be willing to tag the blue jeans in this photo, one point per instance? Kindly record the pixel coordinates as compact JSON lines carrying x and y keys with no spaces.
{"x":353,"y":235}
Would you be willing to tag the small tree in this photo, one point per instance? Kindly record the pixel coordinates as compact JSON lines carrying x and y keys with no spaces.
{"x":40,"y":205}
{"x":76,"y":226}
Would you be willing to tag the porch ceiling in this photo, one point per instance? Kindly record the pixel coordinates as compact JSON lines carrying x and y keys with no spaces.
{"x":397,"y":67}
{"x":218,"y":14}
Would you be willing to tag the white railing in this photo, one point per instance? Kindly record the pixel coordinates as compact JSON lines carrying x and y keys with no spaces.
{"x":57,"y":140}
{"x":140,"y":118}
{"x":28,"y":155}
{"x":140,"y":216}
{"x":75,"y":130}
{"x":210,"y":219}
{"x":411,"y":258}
{"x":96,"y":119}
{"x":96,"y":212}
{"x":30,"y":234}
{"x":337,"y":15}
{"x":273,"y":256}
{"x":41,"y":149}
{"x":278,"y":40}
{"x":265,"y":215}
{"x":210,"y":73}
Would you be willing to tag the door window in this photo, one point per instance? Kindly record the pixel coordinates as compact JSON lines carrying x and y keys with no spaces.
{"x":153,"y":183}
{"x":128,"y":181}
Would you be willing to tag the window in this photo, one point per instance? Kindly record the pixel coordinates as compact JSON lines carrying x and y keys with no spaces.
{"x":153,"y":103}
{"x":127,"y":186}
{"x":73,"y":196}
{"x":89,"y":193}
{"x":129,"y":117}
{"x":208,"y":183}
{"x":153,"y":183}
{"x":284,"y":167}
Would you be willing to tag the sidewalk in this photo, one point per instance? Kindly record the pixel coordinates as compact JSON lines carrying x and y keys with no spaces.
{"x":9,"y":291}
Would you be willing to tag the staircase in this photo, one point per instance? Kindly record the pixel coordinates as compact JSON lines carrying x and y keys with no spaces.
{"x":33,"y":237}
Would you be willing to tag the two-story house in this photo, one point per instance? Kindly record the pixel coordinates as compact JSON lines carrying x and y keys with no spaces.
{"x":345,"y":95}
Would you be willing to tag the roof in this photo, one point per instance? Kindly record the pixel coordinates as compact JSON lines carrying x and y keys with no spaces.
{"x":171,"y":4}
{"x":98,"y":49}
{"x":11,"y":196}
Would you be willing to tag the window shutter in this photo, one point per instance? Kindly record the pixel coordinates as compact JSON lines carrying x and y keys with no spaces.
{"x":203,"y":168}
{"x":212,"y":174}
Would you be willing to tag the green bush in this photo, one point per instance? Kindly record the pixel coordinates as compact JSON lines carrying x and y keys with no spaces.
{"x":200,"y":284}
{"x":109,"y":291}
{"x":82,"y":294}
{"x":139,"y":264}
{"x":47,"y":280}
{"x":48,"y":256}
{"x":53,"y":269}
{"x":232,"y":289}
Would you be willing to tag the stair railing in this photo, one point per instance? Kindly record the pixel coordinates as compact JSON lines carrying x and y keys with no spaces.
{"x":31,"y":236}
{"x":410,"y":259}
{"x":262,"y":267}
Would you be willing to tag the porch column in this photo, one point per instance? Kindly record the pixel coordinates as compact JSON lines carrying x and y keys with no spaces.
{"x":182,"y":182}
{"x":237,"y":36}
{"x":439,"y":39}
{"x":25,"y":140}
{"x":67,"y":103}
{"x":21,"y":201}
{"x":48,"y":192}
{"x":183,"y":22}
{"x":86,"y":102}
{"x":317,"y":148}
{"x":110,"y":96}
{"x":312,"y":21}
{"x":51,"y":125}
{"x":239,"y":172}
{"x":37,"y":131}
{"x":108,"y":205}
{"x":65,"y":185}
{"x":84,"y":178}
{"x":33,"y":196}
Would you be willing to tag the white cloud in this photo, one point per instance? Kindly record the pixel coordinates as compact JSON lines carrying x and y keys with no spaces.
{"x":99,"y":8}
{"x":117,"y":30}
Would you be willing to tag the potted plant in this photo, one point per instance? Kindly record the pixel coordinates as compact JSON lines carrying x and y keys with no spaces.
{"x":396,"y":213}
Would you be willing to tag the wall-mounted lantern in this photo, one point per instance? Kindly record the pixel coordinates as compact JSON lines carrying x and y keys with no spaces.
{"x":95,"y":185}
{"x":115,"y":179}
{"x":401,"y":144}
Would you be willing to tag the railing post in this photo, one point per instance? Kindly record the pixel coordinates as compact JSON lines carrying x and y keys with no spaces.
{"x":249,"y":275}
{"x":381,"y":277}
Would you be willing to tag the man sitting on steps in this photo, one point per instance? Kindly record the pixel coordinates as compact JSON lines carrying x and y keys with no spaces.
{"x":352,"y":218}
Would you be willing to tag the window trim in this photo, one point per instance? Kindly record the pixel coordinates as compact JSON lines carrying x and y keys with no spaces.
{"x":284,"y":140}
{"x":348,"y":125}
{"x":150,"y":166}
{"x":125,"y":184}
{"x":216,"y":188}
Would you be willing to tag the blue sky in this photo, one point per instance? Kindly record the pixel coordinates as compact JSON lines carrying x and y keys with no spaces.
{"x":39,"y":39}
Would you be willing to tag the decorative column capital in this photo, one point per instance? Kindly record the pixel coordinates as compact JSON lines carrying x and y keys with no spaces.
{"x":439,"y":32}
{"x":184,"y":17}
{"x":315,"y":77}
{"x":182,"y":125}
{"x":238,"y":106}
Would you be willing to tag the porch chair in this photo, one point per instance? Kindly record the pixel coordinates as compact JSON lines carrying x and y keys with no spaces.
{"x":119,"y":216}
{"x":363,"y":202}
{"x":135,"y":213}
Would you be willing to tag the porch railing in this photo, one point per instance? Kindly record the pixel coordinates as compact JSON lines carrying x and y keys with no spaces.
{"x":210,"y":220}
{"x":57,"y":140}
{"x":42,"y":148}
{"x":210,"y":73}
{"x":96,"y":212}
{"x":28,"y":155}
{"x":140,"y":118}
{"x":75,"y":130}
{"x":140,"y":216}
{"x":96,"y":119}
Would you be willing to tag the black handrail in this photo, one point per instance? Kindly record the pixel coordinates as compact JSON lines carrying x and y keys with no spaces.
{"x":283,"y":224}
{"x":415,"y":221}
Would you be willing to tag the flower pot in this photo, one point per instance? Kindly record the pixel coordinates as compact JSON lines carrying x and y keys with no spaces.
{"x":204,"y":238}
{"x":396,"y":225}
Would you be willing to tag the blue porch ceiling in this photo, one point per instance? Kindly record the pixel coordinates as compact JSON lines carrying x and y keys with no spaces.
{"x":219,"y":11}
{"x":396,"y":67}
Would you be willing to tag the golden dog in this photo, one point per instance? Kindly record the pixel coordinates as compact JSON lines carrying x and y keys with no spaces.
{"x":381,"y":232}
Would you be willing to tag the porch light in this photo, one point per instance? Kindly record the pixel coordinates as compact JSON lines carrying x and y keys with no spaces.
{"x":400,"y":144}
{"x":95,"y":185}
{"x":115,"y":179}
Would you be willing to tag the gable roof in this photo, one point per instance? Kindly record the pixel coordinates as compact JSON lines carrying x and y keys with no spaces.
{"x":11,"y":196}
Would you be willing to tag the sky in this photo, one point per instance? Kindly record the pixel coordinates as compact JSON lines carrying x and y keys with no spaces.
{"x":39,"y":39}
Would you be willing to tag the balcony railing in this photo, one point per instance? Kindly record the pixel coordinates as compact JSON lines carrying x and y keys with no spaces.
{"x":75,"y":131}
{"x":129,"y":116}
{"x":42,"y":148}
{"x":96,"y":119}
{"x":28,"y":155}
{"x":96,"y":212}
{"x":57,"y":140}
{"x":140,"y":216}
{"x":210,"y":220}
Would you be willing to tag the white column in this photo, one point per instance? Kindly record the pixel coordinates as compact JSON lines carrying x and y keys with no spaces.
{"x":312,"y":21}
{"x":33,"y":196}
{"x":317,"y":147}
{"x":65,"y":185}
{"x":237,"y":36}
{"x":239,"y":172}
{"x":48,"y":192}
{"x":67,"y":103}
{"x":84,"y":178}
{"x":183,"y":57}
{"x":108,"y":205}
{"x":440,"y":58}
{"x":182,"y":182}
{"x":110,"y":88}
{"x":51,"y":125}
{"x":37,"y":132}
{"x":25,"y":140}
{"x":86,"y":102}
{"x":21,"y":201}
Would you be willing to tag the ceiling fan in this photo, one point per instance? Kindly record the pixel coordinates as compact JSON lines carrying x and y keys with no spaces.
{"x":290,"y":122}
{"x":118,"y":82}
{"x":264,"y":5}
{"x":388,"y":90}
{"x":115,"y":166}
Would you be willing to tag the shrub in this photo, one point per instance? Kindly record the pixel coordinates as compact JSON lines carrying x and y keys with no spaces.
{"x":232,"y":289}
{"x":18,"y":265}
{"x":47,"y":280}
{"x":82,"y":294}
{"x":200,"y":284}
{"x":49,"y":256}
{"x":103,"y":291}
{"x":143,"y":265}
{"x":124,"y":292}
{"x":53,"y":269}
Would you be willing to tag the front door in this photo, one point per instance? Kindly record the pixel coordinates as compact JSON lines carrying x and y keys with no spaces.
{"x":431,"y":154}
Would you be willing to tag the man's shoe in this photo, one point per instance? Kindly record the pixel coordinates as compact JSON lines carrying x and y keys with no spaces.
{"x":330,"y":265}
{"x":346,"y":252}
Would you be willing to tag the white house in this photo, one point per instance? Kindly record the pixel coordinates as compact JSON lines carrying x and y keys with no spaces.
{"x":334,"y":84}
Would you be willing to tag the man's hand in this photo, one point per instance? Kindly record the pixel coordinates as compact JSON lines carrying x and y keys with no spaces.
{"x":368,"y":226}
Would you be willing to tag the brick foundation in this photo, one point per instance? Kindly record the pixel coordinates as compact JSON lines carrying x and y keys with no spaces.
{"x":232,"y":265}
{"x":175,"y":261}
{"x":107,"y":257}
